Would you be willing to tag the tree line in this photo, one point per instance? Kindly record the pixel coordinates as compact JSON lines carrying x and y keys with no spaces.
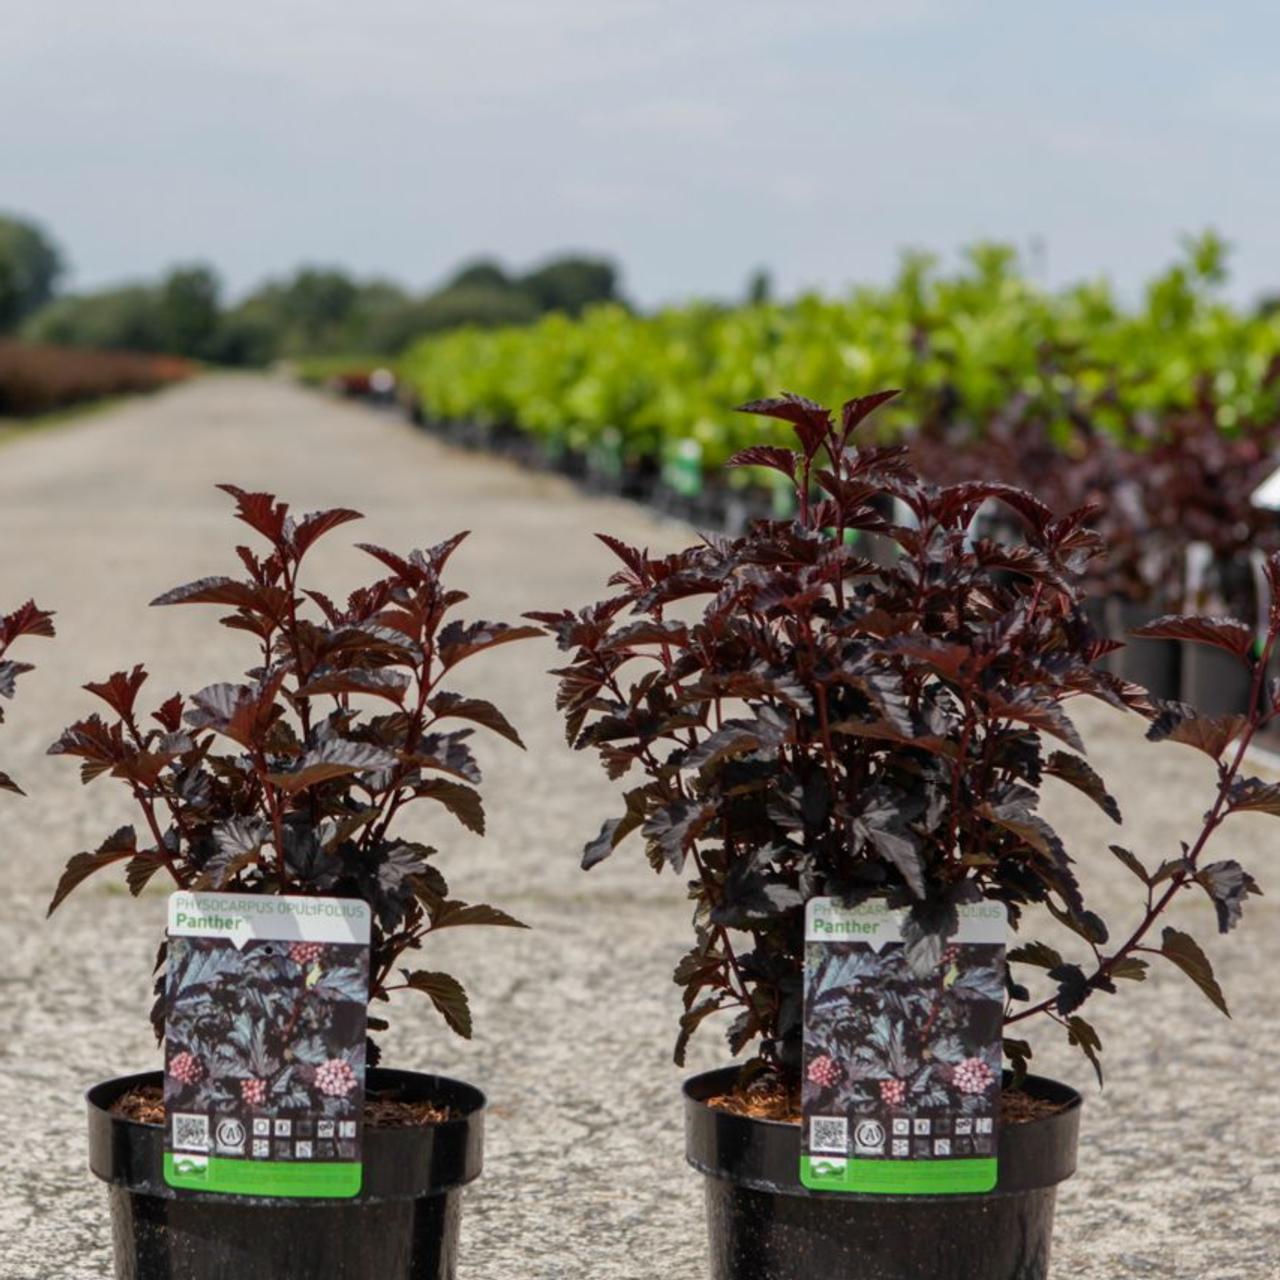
{"x":314,"y":311}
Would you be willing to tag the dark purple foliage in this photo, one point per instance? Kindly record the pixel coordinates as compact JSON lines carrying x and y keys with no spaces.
{"x":29,"y":620}
{"x":1158,"y":488}
{"x":808,"y":715}
{"x":291,"y":780}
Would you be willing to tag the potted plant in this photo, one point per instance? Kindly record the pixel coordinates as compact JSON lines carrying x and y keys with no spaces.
{"x":29,"y":620}
{"x":294,"y":782}
{"x":805,"y":723}
{"x":1199,"y":486}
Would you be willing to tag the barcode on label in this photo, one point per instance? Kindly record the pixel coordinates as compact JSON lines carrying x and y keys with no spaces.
{"x":829,"y":1134}
{"x":190,"y":1133}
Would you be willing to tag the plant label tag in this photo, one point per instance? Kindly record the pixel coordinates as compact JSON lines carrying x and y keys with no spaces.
{"x":902,"y":1070}
{"x":265,"y":1009}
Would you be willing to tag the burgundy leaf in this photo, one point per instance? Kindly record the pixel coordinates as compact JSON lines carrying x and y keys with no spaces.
{"x":9,"y":673}
{"x":120,"y":691}
{"x":27,"y":620}
{"x":947,"y":659}
{"x":674,"y":827}
{"x":445,"y":705}
{"x":852,"y":412}
{"x":315,"y":525}
{"x":448,"y":753}
{"x":396,"y":563}
{"x":1081,"y":775}
{"x":460,"y":640}
{"x":1227,"y":883}
{"x":241,"y":712}
{"x":226,"y":591}
{"x":447,"y":995}
{"x":767,"y":455}
{"x":637,"y":561}
{"x":140,"y":870}
{"x":334,"y":758}
{"x":461,"y":801}
{"x":615,"y":830}
{"x":1043,"y":715}
{"x":382,"y":683}
{"x":1223,"y":633}
{"x":118,"y":846}
{"x":440,"y":553}
{"x":260,"y":511}
{"x":169,"y":714}
{"x":647,"y":631}
{"x":452,"y":914}
{"x":969,"y":497}
{"x":811,"y":421}
{"x":91,"y":739}
{"x":1178,"y":722}
{"x":1131,"y":861}
{"x":1185,"y":952}
{"x":1254,"y":795}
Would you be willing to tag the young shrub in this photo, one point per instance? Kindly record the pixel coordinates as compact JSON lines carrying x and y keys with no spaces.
{"x":29,"y":620}
{"x":807,"y":722}
{"x":284,"y":783}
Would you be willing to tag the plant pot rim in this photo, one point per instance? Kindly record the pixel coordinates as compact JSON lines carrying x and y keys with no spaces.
{"x":764,"y":1154}
{"x":400,"y":1163}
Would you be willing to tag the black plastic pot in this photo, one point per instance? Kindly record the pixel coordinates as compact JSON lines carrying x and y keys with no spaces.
{"x":402,"y":1226}
{"x":639,"y":475}
{"x":1154,"y":664}
{"x":765,"y":1225}
{"x":1215,"y":682}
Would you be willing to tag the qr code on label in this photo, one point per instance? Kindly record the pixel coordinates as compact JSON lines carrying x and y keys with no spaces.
{"x":190,"y":1133}
{"x":829,"y":1134}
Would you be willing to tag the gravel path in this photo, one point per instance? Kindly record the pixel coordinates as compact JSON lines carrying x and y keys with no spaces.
{"x":1181,"y":1161}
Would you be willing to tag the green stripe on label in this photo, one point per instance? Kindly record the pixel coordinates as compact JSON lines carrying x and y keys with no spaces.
{"x":330,"y":1180}
{"x":898,"y":1177}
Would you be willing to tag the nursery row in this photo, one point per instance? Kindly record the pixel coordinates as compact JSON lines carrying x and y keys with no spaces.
{"x":1181,"y":529}
{"x":1184,"y":525}
{"x":1166,"y":417}
{"x":969,"y":351}
{"x":39,"y":379}
{"x":794,"y":726}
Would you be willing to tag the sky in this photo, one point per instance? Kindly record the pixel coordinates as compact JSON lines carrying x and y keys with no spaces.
{"x":692,"y":141}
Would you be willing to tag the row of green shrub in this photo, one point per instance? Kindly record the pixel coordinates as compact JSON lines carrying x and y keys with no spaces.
{"x":963,"y":347}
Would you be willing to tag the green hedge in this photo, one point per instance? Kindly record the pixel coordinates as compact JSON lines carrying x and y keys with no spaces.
{"x":961,"y":345}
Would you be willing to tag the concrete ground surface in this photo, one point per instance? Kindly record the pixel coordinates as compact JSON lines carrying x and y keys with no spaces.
{"x":1180,"y":1160}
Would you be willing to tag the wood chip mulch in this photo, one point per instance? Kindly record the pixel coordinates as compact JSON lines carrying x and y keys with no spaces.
{"x":770,"y":1102}
{"x":145,"y":1105}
